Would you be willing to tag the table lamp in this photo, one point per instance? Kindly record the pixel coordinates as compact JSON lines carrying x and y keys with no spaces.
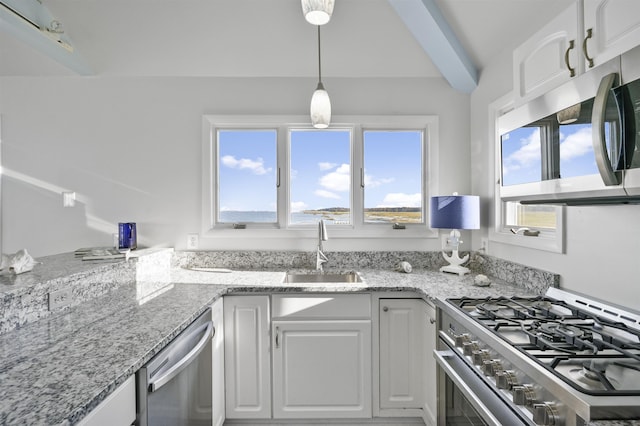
{"x":455,"y":212}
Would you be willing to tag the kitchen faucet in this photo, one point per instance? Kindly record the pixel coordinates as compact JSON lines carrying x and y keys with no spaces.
{"x":322,"y":236}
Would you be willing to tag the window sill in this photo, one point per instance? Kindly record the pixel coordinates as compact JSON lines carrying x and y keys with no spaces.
{"x":547,"y":242}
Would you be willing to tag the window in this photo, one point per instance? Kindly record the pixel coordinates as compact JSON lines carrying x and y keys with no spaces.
{"x":320,"y":171}
{"x":247,"y":163}
{"x":393,"y":170}
{"x":540,"y":217}
{"x":525,"y":155}
{"x":273,"y":177}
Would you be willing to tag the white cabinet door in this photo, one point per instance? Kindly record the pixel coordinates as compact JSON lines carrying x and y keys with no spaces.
{"x":615,"y":28}
{"x":546,"y":59}
{"x":217,"y":370}
{"x":429,"y":370}
{"x":322,"y":369}
{"x":246,"y":353}
{"x":401,"y":353}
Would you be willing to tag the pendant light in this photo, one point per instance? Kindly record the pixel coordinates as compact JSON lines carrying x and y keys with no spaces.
{"x":320,"y":103}
{"x":317,"y":12}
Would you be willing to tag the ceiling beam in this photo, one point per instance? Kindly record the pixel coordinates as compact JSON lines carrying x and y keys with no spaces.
{"x":427,"y":24}
{"x":31,"y":22}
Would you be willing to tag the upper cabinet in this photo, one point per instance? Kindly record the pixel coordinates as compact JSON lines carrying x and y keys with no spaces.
{"x":613,"y":27}
{"x":549,"y":57}
{"x":583,"y":36}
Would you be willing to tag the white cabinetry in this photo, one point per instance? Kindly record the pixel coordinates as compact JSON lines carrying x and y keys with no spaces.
{"x":321,"y":356}
{"x":586,"y":34}
{"x":217,"y":370}
{"x":247,"y":360}
{"x":407,"y":369}
{"x":549,"y":57}
{"x":401,"y":353}
{"x":614,"y":25}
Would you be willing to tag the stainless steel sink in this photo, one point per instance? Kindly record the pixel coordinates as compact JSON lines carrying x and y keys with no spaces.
{"x":345,"y":277}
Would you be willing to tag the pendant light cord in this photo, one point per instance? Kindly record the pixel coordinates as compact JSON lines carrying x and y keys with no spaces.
{"x":319,"y":62}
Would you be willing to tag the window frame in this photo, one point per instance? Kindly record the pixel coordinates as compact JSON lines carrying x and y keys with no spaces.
{"x":283,"y":124}
{"x":547,"y":240}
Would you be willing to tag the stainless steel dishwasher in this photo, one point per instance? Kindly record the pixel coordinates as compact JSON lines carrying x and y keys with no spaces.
{"x":174,"y":388}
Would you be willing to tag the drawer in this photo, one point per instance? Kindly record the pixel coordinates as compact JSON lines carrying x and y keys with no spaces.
{"x":321,"y":306}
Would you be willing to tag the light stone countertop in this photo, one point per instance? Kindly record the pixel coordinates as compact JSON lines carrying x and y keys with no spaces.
{"x":56,"y":370}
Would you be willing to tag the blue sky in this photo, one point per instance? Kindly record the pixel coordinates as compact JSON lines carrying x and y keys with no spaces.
{"x":320,"y":169}
{"x":521,"y":155}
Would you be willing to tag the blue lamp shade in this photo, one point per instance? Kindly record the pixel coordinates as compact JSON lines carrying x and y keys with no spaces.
{"x":455,"y":212}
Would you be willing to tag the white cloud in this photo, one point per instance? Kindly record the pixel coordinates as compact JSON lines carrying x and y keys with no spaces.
{"x":255,"y":166}
{"x":576,"y":144}
{"x":528,"y":153}
{"x":338,"y":180}
{"x":326,"y":194}
{"x":400,"y":199}
{"x":298,"y":206}
{"x":371,"y":182}
{"x":326,"y":166}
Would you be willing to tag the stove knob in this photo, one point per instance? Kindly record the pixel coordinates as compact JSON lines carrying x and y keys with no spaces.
{"x":545,"y":414}
{"x":506,"y":379}
{"x":479,"y":357}
{"x":491,"y":367}
{"x":524,"y":395}
{"x":468,"y":348}
{"x":461,"y":339}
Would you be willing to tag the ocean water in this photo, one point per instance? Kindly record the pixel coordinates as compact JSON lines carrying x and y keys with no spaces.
{"x":297,"y":218}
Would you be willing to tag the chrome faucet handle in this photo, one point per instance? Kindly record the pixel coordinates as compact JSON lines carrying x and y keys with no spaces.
{"x":320,"y":259}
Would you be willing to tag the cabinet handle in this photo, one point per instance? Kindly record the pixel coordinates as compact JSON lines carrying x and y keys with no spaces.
{"x":277,"y":337}
{"x":584,"y":47}
{"x":385,"y":309}
{"x":432,"y":320}
{"x":572,"y":71}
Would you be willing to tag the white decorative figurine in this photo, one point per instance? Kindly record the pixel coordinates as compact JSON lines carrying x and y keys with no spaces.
{"x":19,"y":262}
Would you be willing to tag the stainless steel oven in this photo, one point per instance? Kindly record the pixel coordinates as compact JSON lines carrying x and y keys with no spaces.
{"x":560,"y":359}
{"x":464,"y":399}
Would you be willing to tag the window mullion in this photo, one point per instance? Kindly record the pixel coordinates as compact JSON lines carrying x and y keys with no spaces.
{"x":357,"y":176}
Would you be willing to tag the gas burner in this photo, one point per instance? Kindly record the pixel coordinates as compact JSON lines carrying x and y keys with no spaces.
{"x":494,"y":310}
{"x":606,"y":375}
{"x":558,"y":332}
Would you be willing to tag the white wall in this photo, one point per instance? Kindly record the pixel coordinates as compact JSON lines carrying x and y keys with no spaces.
{"x":130,"y":148}
{"x":602,"y":246}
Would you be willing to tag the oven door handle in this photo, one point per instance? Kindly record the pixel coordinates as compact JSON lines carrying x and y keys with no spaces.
{"x":465,"y":379}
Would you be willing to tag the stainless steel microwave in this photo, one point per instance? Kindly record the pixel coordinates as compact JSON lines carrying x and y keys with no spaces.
{"x":579,"y":143}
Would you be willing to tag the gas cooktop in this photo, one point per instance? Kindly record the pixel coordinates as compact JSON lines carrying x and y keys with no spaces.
{"x":593,"y":347}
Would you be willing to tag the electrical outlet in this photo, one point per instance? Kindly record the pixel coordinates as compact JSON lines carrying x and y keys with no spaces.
{"x":484,"y":245}
{"x":59,"y":298}
{"x":444,"y":242}
{"x":192,"y":241}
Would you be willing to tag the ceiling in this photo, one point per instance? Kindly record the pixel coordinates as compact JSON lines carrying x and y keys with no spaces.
{"x":268,"y":38}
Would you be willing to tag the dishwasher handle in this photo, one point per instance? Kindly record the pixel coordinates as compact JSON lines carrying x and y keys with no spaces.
{"x":183,"y":363}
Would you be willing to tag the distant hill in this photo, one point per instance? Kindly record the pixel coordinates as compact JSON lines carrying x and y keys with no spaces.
{"x":373,"y":209}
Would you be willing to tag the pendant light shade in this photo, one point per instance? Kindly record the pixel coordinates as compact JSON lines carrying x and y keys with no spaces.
{"x":320,"y":104}
{"x":320,"y":108}
{"x":317,"y":12}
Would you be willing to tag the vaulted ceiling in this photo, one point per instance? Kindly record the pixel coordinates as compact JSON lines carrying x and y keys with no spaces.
{"x":269,"y":38}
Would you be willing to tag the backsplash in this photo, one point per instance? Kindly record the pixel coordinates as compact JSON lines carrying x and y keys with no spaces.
{"x":252,"y":260}
{"x":511,"y":272}
{"x":532,"y":279}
